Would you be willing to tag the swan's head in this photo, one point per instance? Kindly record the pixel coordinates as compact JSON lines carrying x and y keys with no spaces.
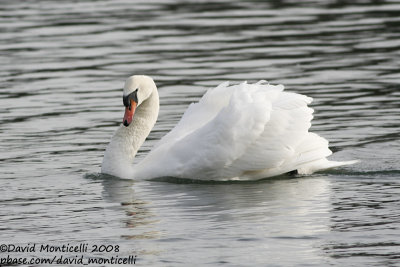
{"x":136,"y":90}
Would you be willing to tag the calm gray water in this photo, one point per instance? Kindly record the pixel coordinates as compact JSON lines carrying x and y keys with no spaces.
{"x":63,"y":65}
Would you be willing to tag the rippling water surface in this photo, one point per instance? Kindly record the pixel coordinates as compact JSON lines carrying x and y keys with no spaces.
{"x":63,"y":65}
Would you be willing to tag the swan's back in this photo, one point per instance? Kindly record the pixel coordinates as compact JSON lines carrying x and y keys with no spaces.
{"x":240,"y":132}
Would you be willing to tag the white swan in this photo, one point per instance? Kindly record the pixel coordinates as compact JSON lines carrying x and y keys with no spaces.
{"x":239,"y":132}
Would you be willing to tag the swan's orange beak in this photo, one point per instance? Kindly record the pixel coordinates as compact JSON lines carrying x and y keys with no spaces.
{"x":129,"y":112}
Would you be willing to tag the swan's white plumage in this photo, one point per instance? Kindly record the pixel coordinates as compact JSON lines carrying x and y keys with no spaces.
{"x":239,"y":132}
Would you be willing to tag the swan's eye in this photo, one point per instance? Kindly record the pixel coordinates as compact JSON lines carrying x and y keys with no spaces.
{"x":127,"y":99}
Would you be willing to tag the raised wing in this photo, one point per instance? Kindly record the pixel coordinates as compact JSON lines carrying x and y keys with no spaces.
{"x":246,"y":130}
{"x":216,"y":132}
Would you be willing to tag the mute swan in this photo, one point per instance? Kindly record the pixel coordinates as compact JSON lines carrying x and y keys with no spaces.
{"x":239,"y":132}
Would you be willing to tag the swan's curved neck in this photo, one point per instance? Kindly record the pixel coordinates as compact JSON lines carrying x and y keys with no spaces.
{"x":126,"y":141}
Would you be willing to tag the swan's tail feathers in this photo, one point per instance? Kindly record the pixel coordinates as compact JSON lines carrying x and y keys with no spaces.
{"x":313,"y":153}
{"x":323,"y":164}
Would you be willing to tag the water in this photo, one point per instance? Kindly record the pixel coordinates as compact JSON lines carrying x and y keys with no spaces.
{"x":64,"y":64}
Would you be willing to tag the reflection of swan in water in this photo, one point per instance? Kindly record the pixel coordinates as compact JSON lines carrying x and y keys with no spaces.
{"x":117,"y":190}
{"x":238,"y":198}
{"x":241,"y":132}
{"x":270,"y":218}
{"x":121,"y":192}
